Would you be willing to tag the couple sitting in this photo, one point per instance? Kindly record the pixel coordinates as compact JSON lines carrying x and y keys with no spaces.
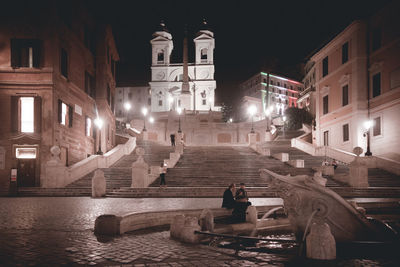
{"x":239,"y":203}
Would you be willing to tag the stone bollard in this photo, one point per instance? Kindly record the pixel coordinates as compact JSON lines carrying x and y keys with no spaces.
{"x":320,"y":242}
{"x":263,"y":150}
{"x":187,"y":233}
{"x":173,"y":159}
{"x":358,"y":170}
{"x":176,"y":227}
{"x":55,"y":171}
{"x":251,"y":215}
{"x":107,"y":224}
{"x":207,"y":220}
{"x":252,"y":139}
{"x":98,"y":184}
{"x":140,"y":170}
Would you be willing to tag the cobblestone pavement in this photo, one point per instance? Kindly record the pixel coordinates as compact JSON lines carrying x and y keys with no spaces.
{"x":59,"y":232}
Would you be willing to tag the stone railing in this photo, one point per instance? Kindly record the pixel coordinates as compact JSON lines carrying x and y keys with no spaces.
{"x":55,"y":175}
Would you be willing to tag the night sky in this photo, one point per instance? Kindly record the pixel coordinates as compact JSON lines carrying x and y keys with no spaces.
{"x":250,"y":35}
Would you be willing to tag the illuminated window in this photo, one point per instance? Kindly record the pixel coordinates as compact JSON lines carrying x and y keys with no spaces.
{"x":25,"y":153}
{"x":27,"y":114}
{"x":65,"y":114}
{"x":88,"y":126}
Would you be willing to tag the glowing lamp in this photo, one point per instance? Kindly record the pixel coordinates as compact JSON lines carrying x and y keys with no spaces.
{"x":179,"y":110}
{"x":144,"y":111}
{"x":151,"y":119}
{"x":98,"y":122}
{"x":127,"y":106}
{"x":368,"y":124}
{"x":252,"y":110}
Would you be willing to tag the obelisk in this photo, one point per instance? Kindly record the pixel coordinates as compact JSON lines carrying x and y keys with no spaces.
{"x":185,"y":93}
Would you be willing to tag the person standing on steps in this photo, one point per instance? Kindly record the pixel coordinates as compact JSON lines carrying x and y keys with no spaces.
{"x":162,"y":175}
{"x":227,"y":200}
{"x":172,"y":136}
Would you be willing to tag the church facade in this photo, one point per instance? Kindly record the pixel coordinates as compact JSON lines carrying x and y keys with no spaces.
{"x":188,"y":86}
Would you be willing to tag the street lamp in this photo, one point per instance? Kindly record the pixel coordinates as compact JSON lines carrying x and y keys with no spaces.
{"x":284,"y":122}
{"x":127,"y":107}
{"x":151,"y":119}
{"x":99,"y":123}
{"x":252,"y":110}
{"x":179,"y":110}
{"x":144,"y":111}
{"x":230,"y":120}
{"x":368,"y":124}
{"x":268,"y":113}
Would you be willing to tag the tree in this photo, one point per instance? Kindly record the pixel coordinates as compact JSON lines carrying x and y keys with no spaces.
{"x":295,"y":118}
{"x":227,"y":112}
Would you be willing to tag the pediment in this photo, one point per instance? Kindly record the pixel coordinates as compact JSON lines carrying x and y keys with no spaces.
{"x":159,"y":39}
{"x":203,"y":36}
{"x":344,"y":79}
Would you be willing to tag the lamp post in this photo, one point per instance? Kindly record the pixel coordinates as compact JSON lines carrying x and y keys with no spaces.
{"x":127,"y":107}
{"x":151,"y":120}
{"x":284,"y":122}
{"x":368,"y":124}
{"x":252,"y":110}
{"x":99,"y":123}
{"x":179,"y":110}
{"x":144,"y":111}
{"x":268,"y":112}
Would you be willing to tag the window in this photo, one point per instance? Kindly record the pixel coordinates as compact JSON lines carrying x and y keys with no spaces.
{"x":279,"y":84}
{"x":130,"y":96}
{"x":271,"y":82}
{"x":108,"y":95}
{"x":376,"y":130}
{"x":160,"y":102}
{"x":345,"y":132}
{"x":89,"y":85}
{"x":65,"y":114}
{"x":325,"y":103}
{"x":376,"y":39}
{"x":286,"y":92}
{"x":326,"y":138}
{"x":204,"y":102}
{"x":376,"y":85}
{"x":325,"y":67}
{"x":291,"y":87}
{"x":160,"y":57}
{"x":203,"y":55}
{"x":179,"y":102}
{"x":284,"y":85}
{"x":345,"y":52}
{"x":149,"y":101}
{"x":25,"y":53}
{"x":88,"y":126}
{"x":64,"y":63}
{"x":27,"y":114}
{"x":345,"y":95}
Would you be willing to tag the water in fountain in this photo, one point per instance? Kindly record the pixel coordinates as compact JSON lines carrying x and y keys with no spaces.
{"x":265,"y":216}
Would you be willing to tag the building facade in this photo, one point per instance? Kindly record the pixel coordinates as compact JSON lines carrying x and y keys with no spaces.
{"x":56,"y":77}
{"x":170,"y":89}
{"x":130,"y":101}
{"x":358,"y":80}
{"x":307,"y":96}
{"x":271,"y":91}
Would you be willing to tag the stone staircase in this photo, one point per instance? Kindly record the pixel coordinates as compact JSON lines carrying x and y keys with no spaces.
{"x":205,"y":171}
{"x":117,"y":176}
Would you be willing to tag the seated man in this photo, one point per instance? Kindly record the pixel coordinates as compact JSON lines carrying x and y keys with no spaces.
{"x":228,"y":201}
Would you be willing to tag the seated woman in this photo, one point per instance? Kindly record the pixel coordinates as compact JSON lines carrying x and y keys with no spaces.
{"x":242,"y":202}
{"x":228,"y":201}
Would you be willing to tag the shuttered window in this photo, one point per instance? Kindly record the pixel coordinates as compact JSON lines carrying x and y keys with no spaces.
{"x":26,"y":114}
{"x":26,"y":53}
